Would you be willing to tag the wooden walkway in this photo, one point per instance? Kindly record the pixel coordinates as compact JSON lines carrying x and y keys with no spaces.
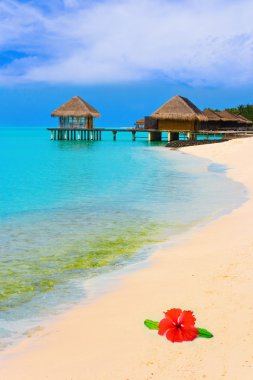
{"x":95,"y":134}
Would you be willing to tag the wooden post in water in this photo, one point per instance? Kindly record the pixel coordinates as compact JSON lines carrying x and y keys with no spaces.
{"x":172,"y":136}
{"x":133,"y":135}
{"x":154,"y":136}
{"x":190,"y":136}
{"x":114,"y":135}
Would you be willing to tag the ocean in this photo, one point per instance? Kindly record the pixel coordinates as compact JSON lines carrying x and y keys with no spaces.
{"x":71,"y":211}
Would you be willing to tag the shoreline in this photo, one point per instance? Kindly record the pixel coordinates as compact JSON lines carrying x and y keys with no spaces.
{"x":110,"y":330}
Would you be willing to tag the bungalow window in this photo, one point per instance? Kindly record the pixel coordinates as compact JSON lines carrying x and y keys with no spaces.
{"x":81,"y":121}
{"x":74,"y":121}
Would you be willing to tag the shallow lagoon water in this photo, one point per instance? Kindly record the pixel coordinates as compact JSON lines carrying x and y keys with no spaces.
{"x":74,"y":210}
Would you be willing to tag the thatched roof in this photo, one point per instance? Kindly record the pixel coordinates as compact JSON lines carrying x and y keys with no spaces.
{"x":140,"y":122}
{"x":228,"y":116}
{"x":225,"y":116}
{"x":76,"y":106}
{"x":244,"y":119}
{"x":211,"y":115}
{"x":179,"y":108}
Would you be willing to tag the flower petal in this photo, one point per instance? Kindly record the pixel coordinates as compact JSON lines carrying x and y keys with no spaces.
{"x":164,"y":325}
{"x":175,"y":335}
{"x":189,"y":333}
{"x":173,"y":315}
{"x":181,"y":335}
{"x":187,"y":318}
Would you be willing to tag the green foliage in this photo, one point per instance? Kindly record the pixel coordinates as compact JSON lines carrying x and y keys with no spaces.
{"x":203,"y":333}
{"x":152,"y":325}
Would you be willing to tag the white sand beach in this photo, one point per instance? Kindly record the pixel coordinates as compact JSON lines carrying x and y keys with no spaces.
{"x":209,"y":272}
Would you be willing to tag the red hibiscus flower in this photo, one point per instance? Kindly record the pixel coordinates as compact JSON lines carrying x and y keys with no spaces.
{"x":178,"y":326}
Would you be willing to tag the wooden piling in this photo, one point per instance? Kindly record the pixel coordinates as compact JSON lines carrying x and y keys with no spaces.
{"x":172,"y":136}
{"x":154,"y":136}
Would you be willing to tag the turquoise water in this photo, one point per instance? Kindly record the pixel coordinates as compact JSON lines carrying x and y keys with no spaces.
{"x":72,"y":210}
{"x":217,"y":136}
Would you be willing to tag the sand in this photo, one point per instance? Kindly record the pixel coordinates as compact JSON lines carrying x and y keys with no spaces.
{"x":209,"y":272}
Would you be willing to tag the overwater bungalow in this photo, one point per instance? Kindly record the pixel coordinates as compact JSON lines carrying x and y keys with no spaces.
{"x":76,"y":114}
{"x":225,"y":120}
{"x":245,"y":120}
{"x":213,"y":122}
{"x":233,"y":120}
{"x":177,"y":115}
{"x":139,"y":123}
{"x":179,"y":118}
{"x":229,"y":120}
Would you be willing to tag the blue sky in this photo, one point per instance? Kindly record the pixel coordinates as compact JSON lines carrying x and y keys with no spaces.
{"x":125,"y":57}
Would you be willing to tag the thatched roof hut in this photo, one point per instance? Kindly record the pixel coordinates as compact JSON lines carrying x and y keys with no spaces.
{"x":225,"y":116}
{"x":228,"y":116}
{"x":243,"y":119}
{"x":76,"y":113}
{"x":139,"y":123}
{"x":212,"y":115}
{"x":76,"y":107}
{"x":225,"y":120}
{"x":179,"y":108}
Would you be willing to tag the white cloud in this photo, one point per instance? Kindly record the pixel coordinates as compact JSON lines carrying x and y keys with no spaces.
{"x":208,"y":42}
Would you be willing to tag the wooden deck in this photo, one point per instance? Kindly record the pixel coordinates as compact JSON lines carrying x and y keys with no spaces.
{"x":95,"y":134}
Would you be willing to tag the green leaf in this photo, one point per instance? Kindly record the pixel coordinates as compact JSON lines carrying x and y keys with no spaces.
{"x":151,"y":324}
{"x":203,"y":333}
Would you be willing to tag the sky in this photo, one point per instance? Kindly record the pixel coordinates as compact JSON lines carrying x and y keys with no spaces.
{"x":125,"y":57}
